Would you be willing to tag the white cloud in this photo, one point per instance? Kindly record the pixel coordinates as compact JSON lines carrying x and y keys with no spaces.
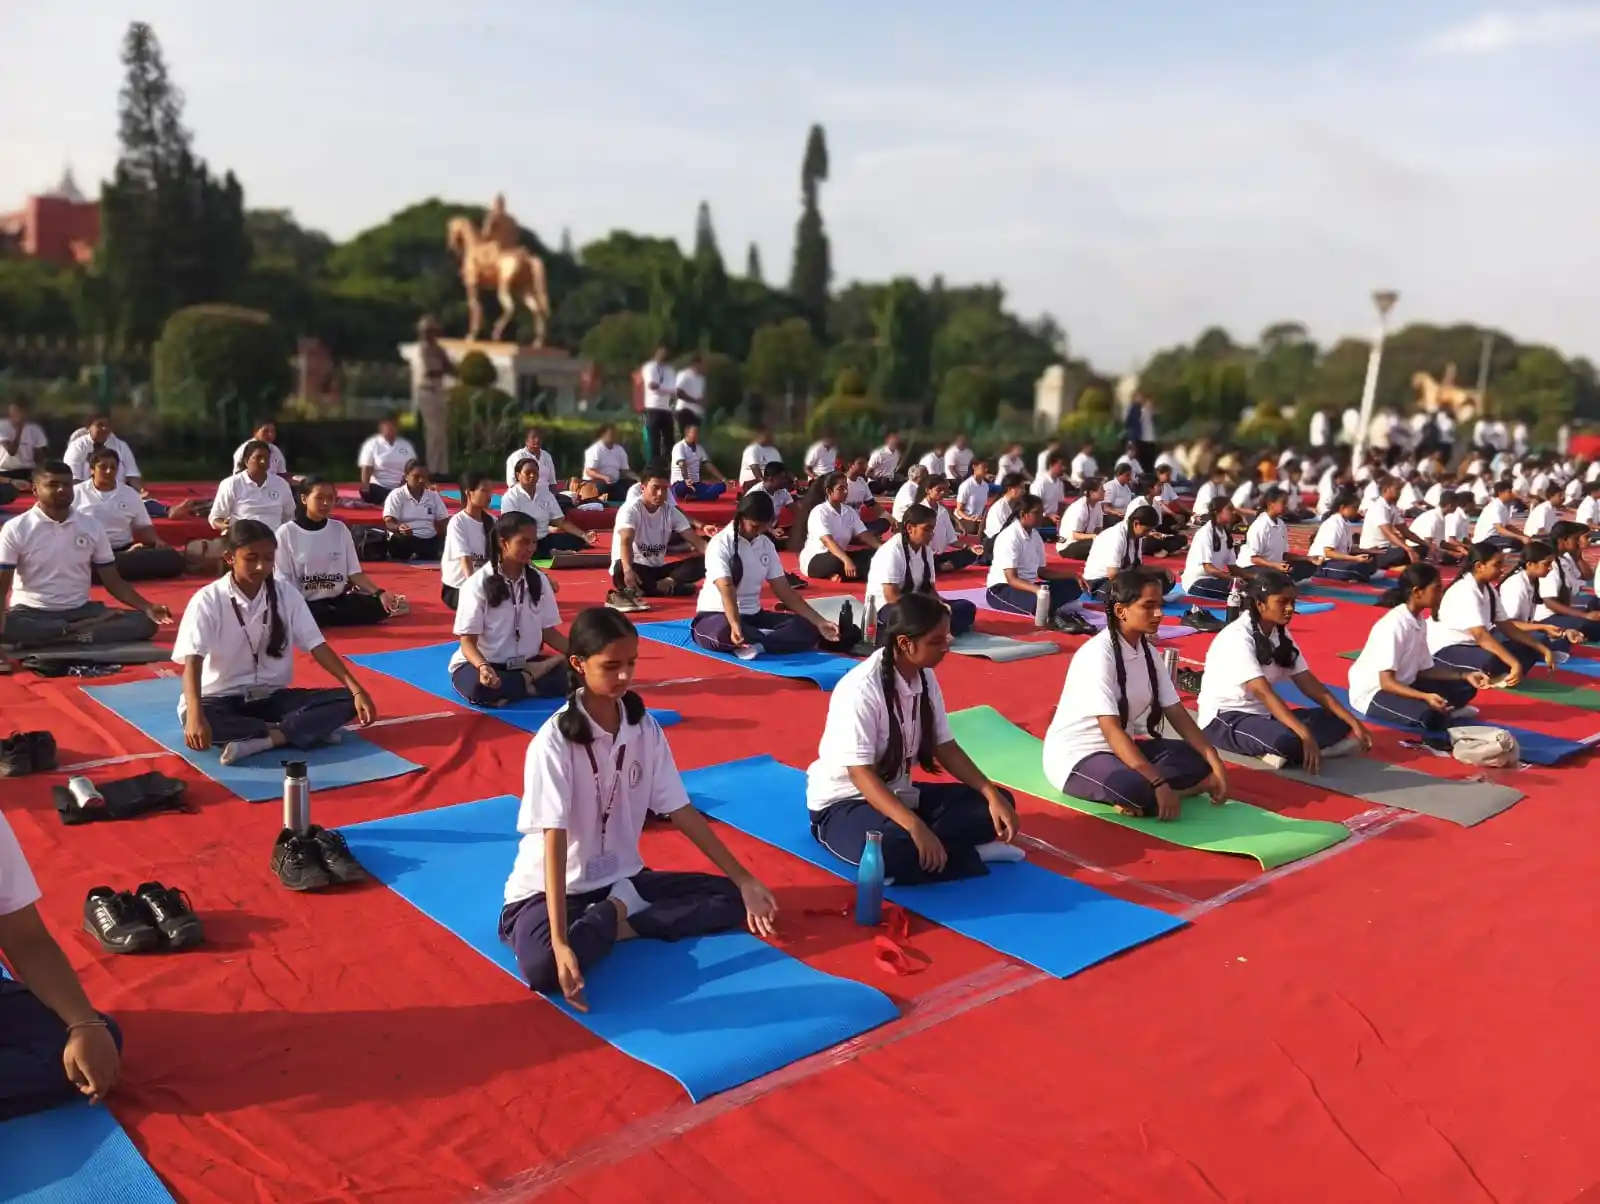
{"x":1492,"y":33}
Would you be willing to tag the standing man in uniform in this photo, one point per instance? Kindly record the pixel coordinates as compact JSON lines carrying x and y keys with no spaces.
{"x":434,"y":365}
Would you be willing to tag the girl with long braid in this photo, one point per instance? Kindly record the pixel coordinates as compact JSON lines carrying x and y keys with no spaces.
{"x":1018,"y":573}
{"x":833,"y":532}
{"x":1105,"y":742}
{"x":885,"y":716}
{"x":1559,"y":602}
{"x":507,"y":614}
{"x":1471,"y":631}
{"x":1118,"y":548}
{"x":948,"y":553}
{"x":1241,"y":712}
{"x":317,"y":555}
{"x":905,"y":565}
{"x":466,"y":537}
{"x":1519,"y":597}
{"x":236,"y":644}
{"x":1212,"y":563}
{"x":591,"y":777}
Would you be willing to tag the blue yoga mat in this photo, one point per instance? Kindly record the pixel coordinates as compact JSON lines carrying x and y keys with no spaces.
{"x":1179,"y":609}
{"x":428,"y":669}
{"x":823,"y":668}
{"x":1582,"y":665}
{"x":712,"y":1012}
{"x":1020,"y":910}
{"x":74,"y":1154}
{"x":1537,"y":747}
{"x":152,"y":707}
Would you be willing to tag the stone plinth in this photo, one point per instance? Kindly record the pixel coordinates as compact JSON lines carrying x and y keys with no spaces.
{"x":544,"y":376}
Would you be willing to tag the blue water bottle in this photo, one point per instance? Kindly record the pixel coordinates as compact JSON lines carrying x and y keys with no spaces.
{"x":869,"y":882}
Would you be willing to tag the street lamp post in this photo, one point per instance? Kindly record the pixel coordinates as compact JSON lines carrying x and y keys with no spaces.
{"x":1384,"y":299}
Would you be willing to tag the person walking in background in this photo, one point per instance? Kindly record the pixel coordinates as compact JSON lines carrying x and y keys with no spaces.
{"x":660,"y":383}
{"x":434,"y":364}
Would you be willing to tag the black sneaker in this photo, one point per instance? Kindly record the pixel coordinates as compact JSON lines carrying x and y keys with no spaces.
{"x":169,"y":908}
{"x":1201,"y":620}
{"x":1189,"y":680}
{"x":115,"y":919}
{"x":16,"y":755}
{"x":336,"y":856}
{"x":43,"y":745}
{"x":296,"y":862}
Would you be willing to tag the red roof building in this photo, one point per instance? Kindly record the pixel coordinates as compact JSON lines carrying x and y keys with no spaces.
{"x":60,"y":226}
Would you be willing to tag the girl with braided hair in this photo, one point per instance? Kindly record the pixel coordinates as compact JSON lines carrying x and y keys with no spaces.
{"x":592,"y":775}
{"x":1471,"y":630}
{"x":1519,"y":597}
{"x":886,"y":715}
{"x":466,"y":537}
{"x":1559,"y":602}
{"x":1118,"y":548}
{"x":948,"y":553}
{"x":838,"y":544}
{"x":905,"y":565}
{"x":507,"y":614}
{"x":1211,"y":565}
{"x":1018,"y":574}
{"x":1241,"y":712}
{"x":1266,"y":543}
{"x":1105,"y":742}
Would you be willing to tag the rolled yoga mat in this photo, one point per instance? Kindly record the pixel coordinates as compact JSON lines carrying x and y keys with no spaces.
{"x":428,"y":669}
{"x":821,"y":668}
{"x":999,"y":648}
{"x":1014,"y":758}
{"x":152,"y":707}
{"x":101,"y":654}
{"x":1049,"y":921}
{"x":711,"y":1011}
{"x":74,"y":1154}
{"x":1537,"y":685}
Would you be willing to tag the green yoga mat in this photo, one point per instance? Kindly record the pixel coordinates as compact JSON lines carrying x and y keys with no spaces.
{"x":1536,"y":684}
{"x":1012,"y":757}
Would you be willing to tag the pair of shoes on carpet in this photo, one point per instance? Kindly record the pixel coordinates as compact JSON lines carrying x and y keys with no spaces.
{"x":1201,"y":620}
{"x":27,"y":752}
{"x":1073,"y":623}
{"x":314,"y":859}
{"x":627,"y":601}
{"x":153,"y":918}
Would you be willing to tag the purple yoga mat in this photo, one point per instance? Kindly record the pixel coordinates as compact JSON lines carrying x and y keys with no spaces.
{"x":980,"y":599}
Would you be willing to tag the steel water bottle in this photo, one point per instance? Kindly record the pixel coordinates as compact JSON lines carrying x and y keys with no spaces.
{"x":1041,"y":606}
{"x":1235,"y":599}
{"x":296,"y":797}
{"x":869,"y":882}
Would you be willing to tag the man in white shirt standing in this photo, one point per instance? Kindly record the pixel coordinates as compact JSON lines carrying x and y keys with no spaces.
{"x":22,"y":442}
{"x":660,"y":385}
{"x":691,"y":394}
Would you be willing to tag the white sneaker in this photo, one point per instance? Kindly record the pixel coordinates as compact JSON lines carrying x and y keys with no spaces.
{"x":1274,"y":760}
{"x":747,"y":652}
{"x":1563,"y":657}
{"x":1346,"y":747}
{"x":998,"y":850}
{"x":1466,"y":712}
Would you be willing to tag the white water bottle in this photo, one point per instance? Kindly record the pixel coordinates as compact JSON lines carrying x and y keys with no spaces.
{"x":1041,"y":606}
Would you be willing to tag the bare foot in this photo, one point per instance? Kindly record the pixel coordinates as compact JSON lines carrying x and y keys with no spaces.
{"x":625,"y":930}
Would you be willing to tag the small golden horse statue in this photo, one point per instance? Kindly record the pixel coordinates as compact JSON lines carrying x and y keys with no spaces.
{"x":516,"y":275}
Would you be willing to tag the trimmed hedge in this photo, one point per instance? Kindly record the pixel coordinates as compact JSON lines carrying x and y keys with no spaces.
{"x":221,"y":360}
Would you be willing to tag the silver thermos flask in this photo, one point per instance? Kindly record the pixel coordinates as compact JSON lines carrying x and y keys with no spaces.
{"x":296,"y":797}
{"x":1169,"y":658}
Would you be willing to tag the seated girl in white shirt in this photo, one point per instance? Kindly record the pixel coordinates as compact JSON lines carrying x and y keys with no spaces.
{"x":266,"y":432}
{"x":593,"y":774}
{"x":904,"y":565}
{"x":952,"y":557}
{"x":1519,"y":598}
{"x":528,"y":495}
{"x":1018,"y":573}
{"x":1211,"y":566}
{"x":1559,"y":593}
{"x":1082,"y":521}
{"x":236,"y":644}
{"x":972,"y":498}
{"x":505,"y":616}
{"x":739,"y":561}
{"x":1395,"y":678}
{"x":1118,"y":548}
{"x":413,"y":515}
{"x":886,"y":715}
{"x":1165,"y":538}
{"x":834,"y":535}
{"x":1332,"y":547}
{"x":1105,"y":742}
{"x":253,"y":492}
{"x":1013,"y":488}
{"x":467,"y":536}
{"x":1266,"y":543}
{"x":1240,"y":711}
{"x":909,"y":492}
{"x":317,"y":556}
{"x":1470,"y":630}
{"x":140,"y":553}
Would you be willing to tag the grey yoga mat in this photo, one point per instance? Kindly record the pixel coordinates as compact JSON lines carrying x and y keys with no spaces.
{"x":100,"y":654}
{"x":992,"y":647}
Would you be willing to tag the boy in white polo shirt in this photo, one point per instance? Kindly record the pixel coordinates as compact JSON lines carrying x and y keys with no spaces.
{"x":605,"y":465}
{"x":48,"y":556}
{"x":694,"y":476}
{"x":646,"y":525}
{"x":22,"y":442}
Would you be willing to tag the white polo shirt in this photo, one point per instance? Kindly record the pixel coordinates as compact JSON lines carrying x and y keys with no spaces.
{"x":29,"y":442}
{"x":562,"y":790}
{"x":422,"y":514}
{"x":1018,"y":549}
{"x":889,"y":568}
{"x":464,"y":539}
{"x":1519,"y":597}
{"x":18,"y":888}
{"x":1231,"y":666}
{"x":972,"y":497}
{"x":1041,"y":463}
{"x":944,"y":531}
{"x":541,"y":507}
{"x":271,"y":502}
{"x":755,"y":459}
{"x":1208,"y":547}
{"x":1436,"y":525}
{"x":904,"y":498}
{"x":52,"y":560}
{"x":660,"y":380}
{"x":842,"y":525}
{"x":119,"y":511}
{"x":1541,"y":518}
{"x":547,"y":468}
{"x":1009,"y":464}
{"x":957,"y":462}
{"x":1465,"y":605}
{"x":780,"y":497}
{"x":1081,"y":516}
{"x":1114,"y":549}
{"x":693,"y":384}
{"x":652,"y":531}
{"x":387,"y":460}
{"x":318,"y":563}
{"x":1588,"y":511}
{"x":686,"y":461}
{"x":1245,"y":495}
{"x":933,"y":462}
{"x":1089,"y":692}
{"x":1495,"y":513}
{"x":1083,"y":467}
{"x":857,"y":492}
{"x":514,"y":628}
{"x":760,"y":565}
{"x":231,"y":633}
{"x":1398,"y":641}
{"x":80,"y":450}
{"x":1050,"y":491}
{"x":1205,"y":495}
{"x":821,"y":458}
{"x":1550,"y":585}
{"x":1267,"y":539}
{"x":610,"y":462}
{"x":883,"y":463}
{"x":276,"y":465}
{"x":1379,"y":515}
{"x":857,"y":731}
{"x":1334,"y":535}
{"x":1117,"y":495}
{"x":996,"y":517}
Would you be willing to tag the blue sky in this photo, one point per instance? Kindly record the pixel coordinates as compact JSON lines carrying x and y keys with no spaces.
{"x":1140,"y":168}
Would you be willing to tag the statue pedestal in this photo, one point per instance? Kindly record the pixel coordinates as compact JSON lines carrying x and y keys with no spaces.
{"x":546,"y":378}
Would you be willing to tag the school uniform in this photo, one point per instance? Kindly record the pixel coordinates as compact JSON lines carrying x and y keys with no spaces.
{"x":31,"y":440}
{"x":1051,"y":492}
{"x":1022,"y":551}
{"x":933,"y":463}
{"x":509,"y":636}
{"x":545,"y":511}
{"x":905,"y":497}
{"x":911,"y":570}
{"x":1588,"y":512}
{"x":466,"y":550}
{"x":690,"y":407}
{"x":1083,"y":467}
{"x":856,"y":733}
{"x":999,"y":514}
{"x":883,"y":466}
{"x":81,"y":449}
{"x":841,"y":524}
{"x":1080,"y":516}
{"x":1114,"y":549}
{"x":244,"y":689}
{"x":1244,"y":497}
{"x":1208,"y":492}
{"x":277,"y":466}
{"x":388,"y":463}
{"x":319,"y":560}
{"x":1385,"y":555}
{"x":1011,"y":464}
{"x":1337,"y":534}
{"x":1541,"y":518}
{"x":1399,"y":642}
{"x":547,"y":469}
{"x":1041,"y":462}
{"x":754,"y":461}
{"x":946,"y":545}
{"x":653,"y":531}
{"x":1212,"y":547}
{"x":685,"y":474}
{"x":749,"y":564}
{"x":424,"y":515}
{"x":858,"y":492}
{"x":270,"y":501}
{"x":1118,"y":495}
{"x":957,"y":463}
{"x":1235,"y":720}
{"x":600,"y":794}
{"x":612,"y":465}
{"x":1466,"y":605}
{"x":1435,"y":526}
{"x":1268,"y":539}
{"x":1519,"y":597}
{"x":821,"y":459}
{"x":1495,"y":513}
{"x":120,"y":512}
{"x":1562,"y":585}
{"x":971,"y":501}
{"x":1076,"y":753}
{"x":54,"y":565}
